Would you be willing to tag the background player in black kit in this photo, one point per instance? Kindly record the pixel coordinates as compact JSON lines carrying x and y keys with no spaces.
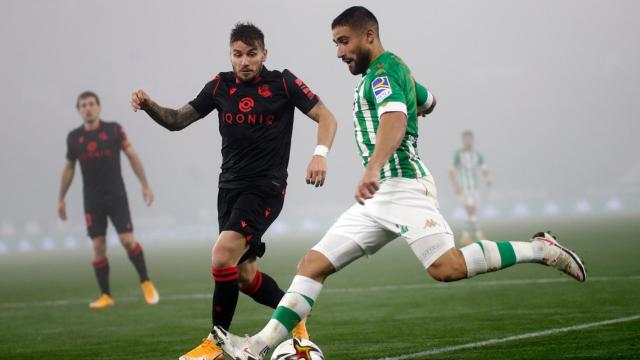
{"x":97,"y":145}
{"x":255,"y":112}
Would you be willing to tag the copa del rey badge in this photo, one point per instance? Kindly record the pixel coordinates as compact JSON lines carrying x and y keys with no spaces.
{"x":381,"y":88}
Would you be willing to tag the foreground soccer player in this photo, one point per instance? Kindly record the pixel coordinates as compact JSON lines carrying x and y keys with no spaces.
{"x":255,"y":111}
{"x":97,"y":145}
{"x":467,"y":163}
{"x":396,"y":196}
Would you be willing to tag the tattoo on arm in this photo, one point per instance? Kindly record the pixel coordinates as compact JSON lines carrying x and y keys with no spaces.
{"x":173,"y":119}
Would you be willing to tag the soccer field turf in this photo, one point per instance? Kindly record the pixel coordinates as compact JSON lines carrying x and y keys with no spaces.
{"x":380,"y":307}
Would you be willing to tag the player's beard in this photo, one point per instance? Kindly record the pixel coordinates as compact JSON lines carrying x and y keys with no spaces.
{"x":361,"y":63}
{"x":250,"y":79}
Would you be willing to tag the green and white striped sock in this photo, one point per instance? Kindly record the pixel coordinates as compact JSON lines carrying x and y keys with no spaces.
{"x":486,"y":256}
{"x":295,"y":305}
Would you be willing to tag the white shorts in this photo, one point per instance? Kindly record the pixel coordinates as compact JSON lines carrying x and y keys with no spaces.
{"x":469,"y":197}
{"x":406,"y":208}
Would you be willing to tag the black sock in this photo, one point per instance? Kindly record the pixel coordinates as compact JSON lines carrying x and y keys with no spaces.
{"x":137,"y":259}
{"x":101,"y":268}
{"x":264,"y":290}
{"x":225,"y":296}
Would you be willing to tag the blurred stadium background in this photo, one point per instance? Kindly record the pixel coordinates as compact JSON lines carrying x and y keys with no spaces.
{"x":550,"y":89}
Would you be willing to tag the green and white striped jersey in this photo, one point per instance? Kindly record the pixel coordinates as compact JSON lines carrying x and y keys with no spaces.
{"x":467,"y":163}
{"x":387,"y":86}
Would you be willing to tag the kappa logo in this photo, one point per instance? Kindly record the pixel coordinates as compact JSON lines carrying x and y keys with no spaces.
{"x":381,"y":88}
{"x":103,"y":136}
{"x":246,"y":104}
{"x":430,"y":223}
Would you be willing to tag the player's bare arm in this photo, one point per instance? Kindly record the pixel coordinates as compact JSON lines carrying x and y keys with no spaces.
{"x":138,"y":169}
{"x":170,"y":119}
{"x":454,"y":179}
{"x":327,"y":126}
{"x":487,"y":175}
{"x":393,"y":126}
{"x":68,"y":171}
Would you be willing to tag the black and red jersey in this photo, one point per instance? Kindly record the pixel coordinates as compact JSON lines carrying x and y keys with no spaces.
{"x":98,"y":151}
{"x":256,"y":123}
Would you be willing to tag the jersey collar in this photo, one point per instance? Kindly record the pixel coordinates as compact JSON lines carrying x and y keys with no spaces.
{"x":97,"y":127}
{"x":376,"y":62}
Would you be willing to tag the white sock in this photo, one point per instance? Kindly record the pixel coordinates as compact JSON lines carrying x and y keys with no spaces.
{"x":485,"y":256}
{"x":295,"y":305}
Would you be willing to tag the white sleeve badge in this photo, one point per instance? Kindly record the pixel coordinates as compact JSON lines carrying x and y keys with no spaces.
{"x":381,"y":88}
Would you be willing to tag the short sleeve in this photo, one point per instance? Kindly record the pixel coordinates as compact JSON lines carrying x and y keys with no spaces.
{"x":456,"y":159}
{"x":204,"y":103}
{"x":480,"y":160}
{"x":298,"y":92}
{"x":71,"y":153}
{"x":121,"y":136}
{"x":388,"y":92}
{"x":424,"y":97}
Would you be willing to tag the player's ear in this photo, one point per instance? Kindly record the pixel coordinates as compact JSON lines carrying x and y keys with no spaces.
{"x":370,"y":35}
{"x":264,"y":55}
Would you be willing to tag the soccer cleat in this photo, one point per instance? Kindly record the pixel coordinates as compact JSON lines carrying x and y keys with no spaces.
{"x":236,"y":347}
{"x":300,"y":330}
{"x":104,"y":301}
{"x":150,"y":293}
{"x":205,"y":351}
{"x":559,"y":257}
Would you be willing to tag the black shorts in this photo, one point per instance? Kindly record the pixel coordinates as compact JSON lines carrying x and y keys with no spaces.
{"x":115,"y":208}
{"x":250,"y":211}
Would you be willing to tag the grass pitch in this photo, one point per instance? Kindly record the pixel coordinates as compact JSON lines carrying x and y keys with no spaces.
{"x":384,"y":306}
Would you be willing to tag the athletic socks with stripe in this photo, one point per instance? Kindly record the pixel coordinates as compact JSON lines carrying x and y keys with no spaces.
{"x":101,"y":268}
{"x":295,"y":305}
{"x":263,"y":289}
{"x":225,"y":296}
{"x":137,"y":259}
{"x":486,"y":256}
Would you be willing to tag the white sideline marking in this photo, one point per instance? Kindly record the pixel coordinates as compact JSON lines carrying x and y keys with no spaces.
{"x":512,"y":338}
{"x":178,"y":297}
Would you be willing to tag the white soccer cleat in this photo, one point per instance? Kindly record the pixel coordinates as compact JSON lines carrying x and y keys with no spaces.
{"x":559,"y":257}
{"x":236,"y":347}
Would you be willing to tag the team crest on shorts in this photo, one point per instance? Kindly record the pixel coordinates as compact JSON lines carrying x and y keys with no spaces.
{"x":381,"y":88}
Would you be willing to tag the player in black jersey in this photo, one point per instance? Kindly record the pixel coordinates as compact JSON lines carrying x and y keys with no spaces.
{"x":96,"y":144}
{"x":255,"y":114}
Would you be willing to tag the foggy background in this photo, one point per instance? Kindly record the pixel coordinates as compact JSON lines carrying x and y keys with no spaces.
{"x":550,"y":89}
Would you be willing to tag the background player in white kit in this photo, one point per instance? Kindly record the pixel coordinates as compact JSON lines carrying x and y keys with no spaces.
{"x":396,"y":196}
{"x":468,"y":163}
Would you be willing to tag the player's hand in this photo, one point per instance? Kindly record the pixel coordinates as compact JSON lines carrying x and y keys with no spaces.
{"x":62,"y":210}
{"x":139,"y":100}
{"x":369,"y":184}
{"x":317,"y":171}
{"x":147,"y":194}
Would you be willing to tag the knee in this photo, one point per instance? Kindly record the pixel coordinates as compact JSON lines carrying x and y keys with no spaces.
{"x":315,"y":266}
{"x":450,"y":269}
{"x":225,"y":254}
{"x":128,"y":242}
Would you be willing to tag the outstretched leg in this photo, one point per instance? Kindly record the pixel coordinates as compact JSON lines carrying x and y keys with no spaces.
{"x":487,"y":256}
